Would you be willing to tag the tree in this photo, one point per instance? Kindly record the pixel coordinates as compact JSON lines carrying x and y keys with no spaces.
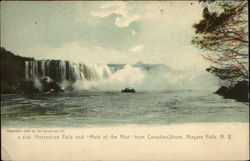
{"x":223,"y":33}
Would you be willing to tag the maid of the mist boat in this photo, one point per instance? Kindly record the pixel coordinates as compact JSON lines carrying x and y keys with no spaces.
{"x":127,"y":90}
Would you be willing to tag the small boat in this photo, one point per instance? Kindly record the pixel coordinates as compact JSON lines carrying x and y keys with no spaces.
{"x":127,"y":90}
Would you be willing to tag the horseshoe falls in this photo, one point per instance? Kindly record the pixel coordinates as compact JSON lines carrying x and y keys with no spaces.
{"x":114,"y":77}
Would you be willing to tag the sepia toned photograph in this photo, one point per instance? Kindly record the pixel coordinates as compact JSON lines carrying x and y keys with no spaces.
{"x":115,"y":67}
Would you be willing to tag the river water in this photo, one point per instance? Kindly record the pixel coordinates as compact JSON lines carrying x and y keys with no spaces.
{"x":107,"y":108}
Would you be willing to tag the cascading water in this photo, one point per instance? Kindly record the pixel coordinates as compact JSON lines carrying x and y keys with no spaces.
{"x":60,"y":71}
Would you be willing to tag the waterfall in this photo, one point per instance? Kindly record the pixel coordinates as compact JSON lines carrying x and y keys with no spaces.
{"x":27,"y":70}
{"x":71,"y":76}
{"x":60,"y":71}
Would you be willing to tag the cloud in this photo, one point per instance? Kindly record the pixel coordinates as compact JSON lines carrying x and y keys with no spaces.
{"x":137,"y":48}
{"x":107,"y":9}
{"x":120,"y":9}
{"x":126,"y":20}
{"x":110,"y":8}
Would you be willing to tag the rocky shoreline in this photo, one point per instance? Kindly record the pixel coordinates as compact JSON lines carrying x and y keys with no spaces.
{"x":238,"y":92}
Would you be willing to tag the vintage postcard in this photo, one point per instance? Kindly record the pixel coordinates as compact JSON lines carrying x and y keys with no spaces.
{"x":124,"y":80}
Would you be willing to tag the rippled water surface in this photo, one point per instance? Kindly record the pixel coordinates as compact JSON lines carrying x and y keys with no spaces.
{"x":115,"y":108}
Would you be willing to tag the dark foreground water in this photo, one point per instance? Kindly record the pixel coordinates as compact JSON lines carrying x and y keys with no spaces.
{"x":115,"y":108}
